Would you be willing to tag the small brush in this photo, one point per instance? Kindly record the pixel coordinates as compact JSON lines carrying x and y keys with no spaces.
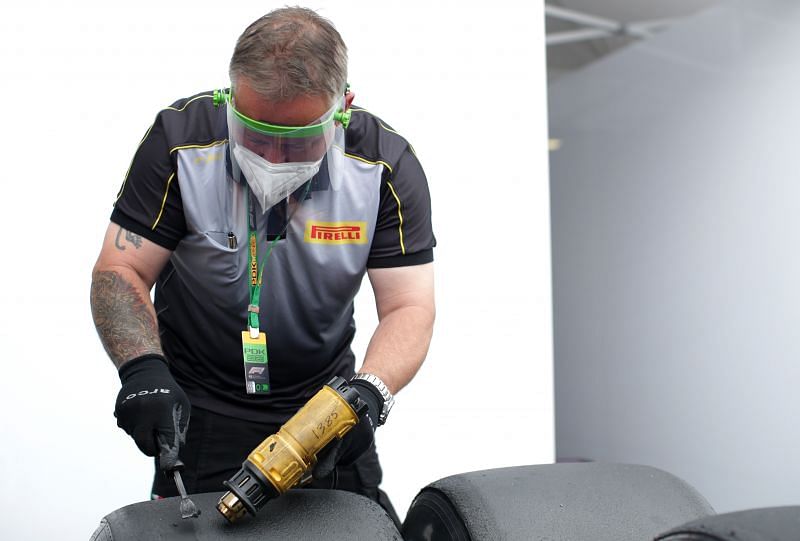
{"x":188,"y":508}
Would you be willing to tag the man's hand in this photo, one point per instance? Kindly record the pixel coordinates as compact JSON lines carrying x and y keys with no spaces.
{"x":153,"y":409}
{"x":356,"y":442}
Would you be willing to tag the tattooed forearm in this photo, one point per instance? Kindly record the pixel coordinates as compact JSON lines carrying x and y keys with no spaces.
{"x":124,"y":320}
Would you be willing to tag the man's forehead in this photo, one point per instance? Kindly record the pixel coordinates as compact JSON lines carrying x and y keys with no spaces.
{"x":299,"y":111}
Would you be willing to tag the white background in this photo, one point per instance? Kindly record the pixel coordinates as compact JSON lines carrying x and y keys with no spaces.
{"x":465,"y":83}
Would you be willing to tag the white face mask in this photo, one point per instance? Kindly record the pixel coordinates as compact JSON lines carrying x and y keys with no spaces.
{"x":272,"y":182}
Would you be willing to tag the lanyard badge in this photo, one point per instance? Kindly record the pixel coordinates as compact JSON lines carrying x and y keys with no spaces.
{"x":254,"y":342}
{"x":256,"y":371}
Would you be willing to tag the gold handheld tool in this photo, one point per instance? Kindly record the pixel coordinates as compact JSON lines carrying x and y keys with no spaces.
{"x":280,"y":461}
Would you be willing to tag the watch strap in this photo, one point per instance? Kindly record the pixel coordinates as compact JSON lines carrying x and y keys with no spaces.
{"x":388,"y":399}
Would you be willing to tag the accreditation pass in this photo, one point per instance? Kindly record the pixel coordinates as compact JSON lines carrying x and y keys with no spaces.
{"x":256,"y":372}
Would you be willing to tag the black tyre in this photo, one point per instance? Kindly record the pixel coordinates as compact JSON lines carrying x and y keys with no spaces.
{"x":570,"y":502}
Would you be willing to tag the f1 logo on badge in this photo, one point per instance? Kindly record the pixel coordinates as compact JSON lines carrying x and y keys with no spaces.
{"x":256,"y":370}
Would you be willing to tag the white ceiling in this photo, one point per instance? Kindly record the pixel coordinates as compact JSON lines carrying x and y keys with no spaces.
{"x":567,"y":57}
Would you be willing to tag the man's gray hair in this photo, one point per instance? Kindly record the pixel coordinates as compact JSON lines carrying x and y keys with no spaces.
{"x":290,"y":52}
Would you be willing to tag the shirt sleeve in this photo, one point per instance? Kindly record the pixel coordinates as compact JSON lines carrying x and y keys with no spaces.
{"x":149,"y":201}
{"x":403,"y":231}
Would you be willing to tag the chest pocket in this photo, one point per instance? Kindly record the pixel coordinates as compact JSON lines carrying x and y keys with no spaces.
{"x":222,"y":254}
{"x":209,"y":266}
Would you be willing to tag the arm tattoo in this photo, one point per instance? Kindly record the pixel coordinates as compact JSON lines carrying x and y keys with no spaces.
{"x":130,"y":236}
{"x":124,"y":322}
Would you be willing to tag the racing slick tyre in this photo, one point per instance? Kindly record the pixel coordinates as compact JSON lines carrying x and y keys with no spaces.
{"x":767,"y":524}
{"x":307,"y":514}
{"x":575,"y":502}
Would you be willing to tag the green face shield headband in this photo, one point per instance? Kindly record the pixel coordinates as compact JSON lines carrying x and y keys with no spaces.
{"x":278,"y":143}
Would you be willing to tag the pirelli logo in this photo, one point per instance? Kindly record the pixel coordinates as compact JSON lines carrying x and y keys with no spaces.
{"x":336,"y":232}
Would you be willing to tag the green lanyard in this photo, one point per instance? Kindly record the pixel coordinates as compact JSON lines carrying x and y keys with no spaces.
{"x":257,"y":272}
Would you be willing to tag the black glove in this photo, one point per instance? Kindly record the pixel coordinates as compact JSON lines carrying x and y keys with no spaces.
{"x":153,"y":409}
{"x":345,"y":451}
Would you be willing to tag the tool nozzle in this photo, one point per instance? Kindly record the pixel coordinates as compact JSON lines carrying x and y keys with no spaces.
{"x":231,"y":507}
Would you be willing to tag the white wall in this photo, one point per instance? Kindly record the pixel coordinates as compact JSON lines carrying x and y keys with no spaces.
{"x":675,"y":234}
{"x":82,"y":83}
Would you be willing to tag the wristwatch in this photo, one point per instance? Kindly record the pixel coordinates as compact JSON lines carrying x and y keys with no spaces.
{"x":388,"y":399}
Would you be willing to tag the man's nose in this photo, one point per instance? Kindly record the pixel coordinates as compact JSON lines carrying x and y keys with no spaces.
{"x":274,"y":154}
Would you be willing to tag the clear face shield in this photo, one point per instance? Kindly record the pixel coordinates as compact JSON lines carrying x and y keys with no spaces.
{"x":276,"y":160}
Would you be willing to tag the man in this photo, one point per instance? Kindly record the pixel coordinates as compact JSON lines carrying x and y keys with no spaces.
{"x":255,"y":211}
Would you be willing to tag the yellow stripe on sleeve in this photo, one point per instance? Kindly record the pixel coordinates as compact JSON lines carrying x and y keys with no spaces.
{"x":394,"y":193}
{"x":399,"y":215}
{"x":128,"y":172}
{"x":163,"y":201}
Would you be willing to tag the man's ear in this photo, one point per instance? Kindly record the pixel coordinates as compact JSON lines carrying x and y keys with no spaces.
{"x":348,"y":99}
